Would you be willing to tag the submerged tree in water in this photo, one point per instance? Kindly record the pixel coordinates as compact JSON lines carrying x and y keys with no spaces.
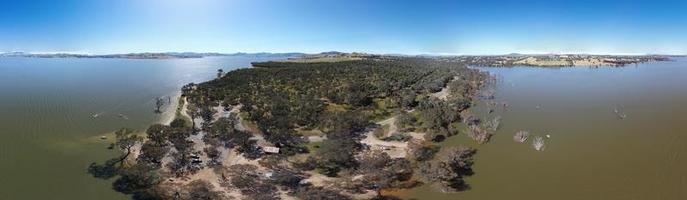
{"x":132,"y":179}
{"x":478,"y":134}
{"x":538,"y":143}
{"x":158,"y":105}
{"x":422,"y":152}
{"x":220,"y":73}
{"x":521,"y":136}
{"x":449,"y":168}
{"x":494,"y":124}
{"x":125,"y":142}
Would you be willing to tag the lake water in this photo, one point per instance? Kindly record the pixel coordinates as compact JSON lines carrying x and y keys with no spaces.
{"x":592,"y":153}
{"x":48,"y":136}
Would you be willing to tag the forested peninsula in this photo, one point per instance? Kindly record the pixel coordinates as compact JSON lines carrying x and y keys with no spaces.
{"x":344,"y":128}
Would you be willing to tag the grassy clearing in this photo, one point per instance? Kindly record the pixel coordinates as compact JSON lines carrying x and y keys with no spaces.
{"x":312,"y":132}
{"x":313,"y":146}
{"x":250,"y":125}
{"x":332,"y":107}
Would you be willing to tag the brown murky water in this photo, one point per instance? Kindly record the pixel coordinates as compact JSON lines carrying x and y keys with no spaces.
{"x":48,"y":136}
{"x":47,"y":133}
{"x":592,"y":153}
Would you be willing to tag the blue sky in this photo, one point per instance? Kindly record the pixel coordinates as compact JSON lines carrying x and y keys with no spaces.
{"x":374,"y":26}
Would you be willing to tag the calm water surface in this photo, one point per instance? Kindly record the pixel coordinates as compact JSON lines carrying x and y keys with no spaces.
{"x":48,"y":136}
{"x":592,"y":154}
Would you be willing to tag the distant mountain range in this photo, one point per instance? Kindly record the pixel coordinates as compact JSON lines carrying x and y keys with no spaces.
{"x":165,"y":55}
{"x":177,"y":55}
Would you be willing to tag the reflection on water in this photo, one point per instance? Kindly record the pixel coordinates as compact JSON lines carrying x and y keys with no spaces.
{"x":49,"y":133}
{"x":592,"y":153}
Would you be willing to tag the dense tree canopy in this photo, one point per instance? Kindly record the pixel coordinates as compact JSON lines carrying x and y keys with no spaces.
{"x":281,"y":96}
{"x":279,"y":105}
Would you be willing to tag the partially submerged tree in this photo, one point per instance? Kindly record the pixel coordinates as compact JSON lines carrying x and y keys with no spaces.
{"x":220,"y":73}
{"x":422,"y":152}
{"x":493,"y":124}
{"x":538,"y":143}
{"x":379,"y":171}
{"x":446,"y":171}
{"x":158,"y":104}
{"x":479,"y":134}
{"x":521,"y":136}
{"x":125,"y":142}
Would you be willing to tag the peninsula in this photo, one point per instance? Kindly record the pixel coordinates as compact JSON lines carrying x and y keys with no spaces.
{"x":325,"y":126}
{"x":349,"y":127}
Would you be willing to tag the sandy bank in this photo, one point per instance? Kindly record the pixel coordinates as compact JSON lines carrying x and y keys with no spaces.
{"x":169,"y":113}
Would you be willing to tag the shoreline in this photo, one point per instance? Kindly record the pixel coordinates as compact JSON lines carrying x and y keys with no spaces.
{"x":556,"y":60}
{"x":170,"y":110}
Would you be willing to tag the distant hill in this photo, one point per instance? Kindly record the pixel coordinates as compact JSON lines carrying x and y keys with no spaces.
{"x":165,"y":55}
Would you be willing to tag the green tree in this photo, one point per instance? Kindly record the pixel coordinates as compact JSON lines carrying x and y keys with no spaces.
{"x":125,"y":141}
{"x":137,"y":178}
{"x":220,"y":73}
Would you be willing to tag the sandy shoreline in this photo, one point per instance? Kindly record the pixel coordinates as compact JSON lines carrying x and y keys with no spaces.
{"x":169,"y":113}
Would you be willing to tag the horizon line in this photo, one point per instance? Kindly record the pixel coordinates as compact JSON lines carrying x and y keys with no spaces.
{"x":314,"y":53}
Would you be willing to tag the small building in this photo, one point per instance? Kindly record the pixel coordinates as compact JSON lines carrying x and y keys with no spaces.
{"x":270,"y":149}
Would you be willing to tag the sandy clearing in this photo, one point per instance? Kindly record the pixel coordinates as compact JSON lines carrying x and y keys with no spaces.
{"x":395,"y":149}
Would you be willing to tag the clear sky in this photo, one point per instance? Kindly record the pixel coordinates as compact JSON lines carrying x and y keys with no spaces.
{"x":374,"y":26}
